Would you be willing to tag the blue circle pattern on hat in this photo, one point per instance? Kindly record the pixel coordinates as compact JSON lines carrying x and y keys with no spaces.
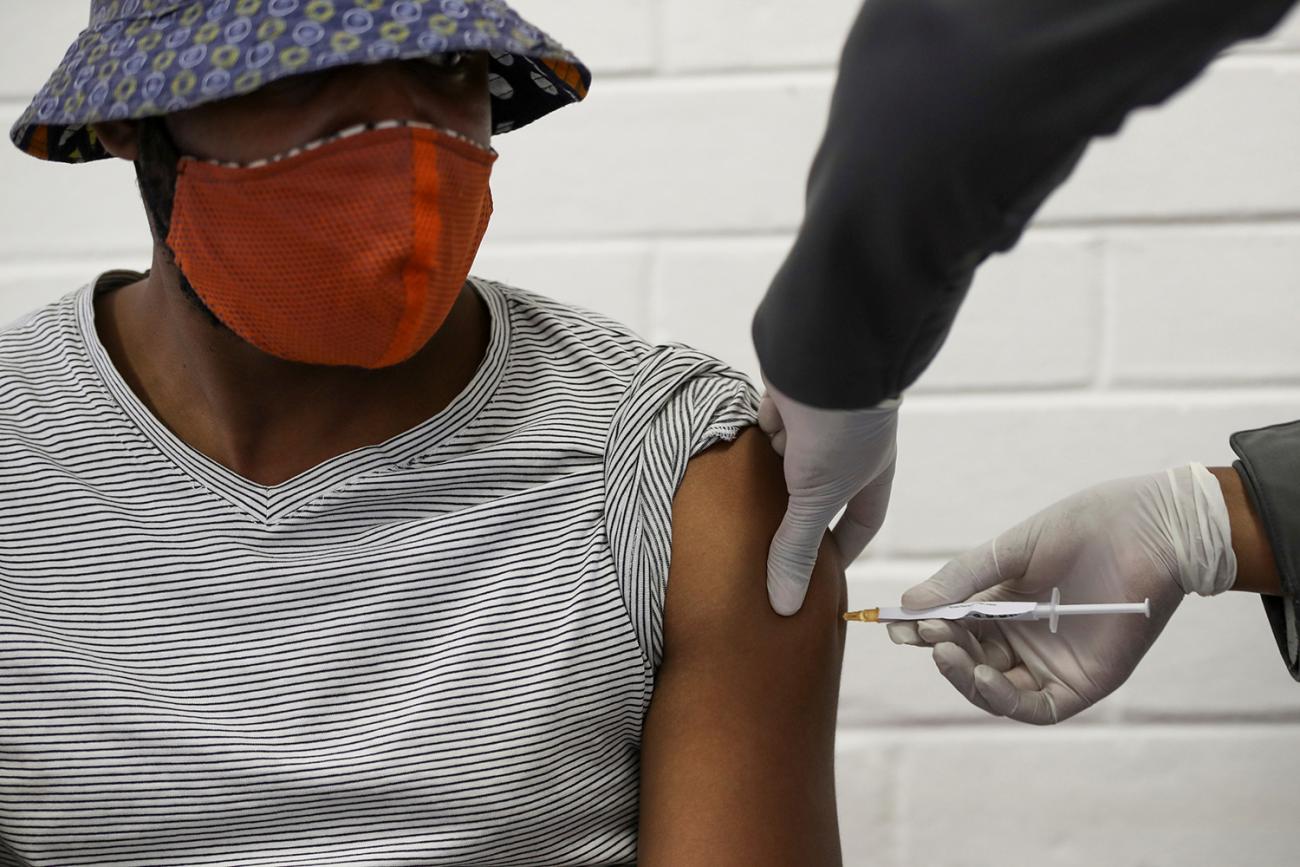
{"x":150,"y":57}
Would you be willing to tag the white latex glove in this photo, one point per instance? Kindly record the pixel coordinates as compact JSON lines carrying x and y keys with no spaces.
{"x":833,"y":458}
{"x":1159,"y":536}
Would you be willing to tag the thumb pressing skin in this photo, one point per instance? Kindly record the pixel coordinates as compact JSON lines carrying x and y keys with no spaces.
{"x":785,"y":592}
{"x":793,"y":554}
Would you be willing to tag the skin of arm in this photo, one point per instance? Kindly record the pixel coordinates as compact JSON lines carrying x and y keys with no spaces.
{"x":1256,"y":568}
{"x":737,"y":757}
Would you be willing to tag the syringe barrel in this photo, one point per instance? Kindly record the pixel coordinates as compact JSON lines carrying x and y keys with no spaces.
{"x":1102,"y":608}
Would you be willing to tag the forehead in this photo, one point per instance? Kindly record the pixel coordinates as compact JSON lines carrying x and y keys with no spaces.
{"x":450,"y":78}
{"x":306,"y":107}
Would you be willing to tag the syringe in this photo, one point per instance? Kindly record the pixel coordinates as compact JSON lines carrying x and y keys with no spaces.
{"x":1051,"y":611}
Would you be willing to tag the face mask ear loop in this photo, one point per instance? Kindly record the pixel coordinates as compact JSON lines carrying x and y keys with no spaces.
{"x":155,"y":172}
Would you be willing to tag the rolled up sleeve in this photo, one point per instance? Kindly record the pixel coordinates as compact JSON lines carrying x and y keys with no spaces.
{"x":1270,"y":468}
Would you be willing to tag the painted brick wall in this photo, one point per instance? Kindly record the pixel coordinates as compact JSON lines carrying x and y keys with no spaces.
{"x":1149,"y":312}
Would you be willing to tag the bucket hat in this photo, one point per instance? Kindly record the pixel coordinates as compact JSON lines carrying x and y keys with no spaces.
{"x":140,"y":58}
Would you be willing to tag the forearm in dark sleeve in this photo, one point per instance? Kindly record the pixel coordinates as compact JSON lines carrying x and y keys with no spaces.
{"x":1270,"y":470}
{"x":950,"y":124}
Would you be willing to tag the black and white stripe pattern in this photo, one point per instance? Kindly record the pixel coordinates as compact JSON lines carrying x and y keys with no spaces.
{"x":436,"y":650}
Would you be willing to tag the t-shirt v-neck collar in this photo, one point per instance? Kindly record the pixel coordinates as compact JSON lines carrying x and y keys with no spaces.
{"x":272,"y":504}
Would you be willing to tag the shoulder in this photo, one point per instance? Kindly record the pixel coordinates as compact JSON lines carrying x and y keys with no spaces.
{"x":731,"y":501}
{"x":36,"y":344}
{"x":42,"y":322}
{"x":46,"y":399}
{"x":595,"y":358}
{"x":560,"y":327}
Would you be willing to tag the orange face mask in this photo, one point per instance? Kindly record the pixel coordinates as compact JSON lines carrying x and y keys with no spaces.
{"x":348,"y":252}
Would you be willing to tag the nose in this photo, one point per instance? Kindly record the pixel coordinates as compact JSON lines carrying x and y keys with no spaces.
{"x":409,"y":90}
{"x":398,"y":90}
{"x":368,"y":93}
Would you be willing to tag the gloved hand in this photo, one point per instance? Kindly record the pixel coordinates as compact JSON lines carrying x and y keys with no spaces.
{"x":1159,"y":536}
{"x":832,"y":458}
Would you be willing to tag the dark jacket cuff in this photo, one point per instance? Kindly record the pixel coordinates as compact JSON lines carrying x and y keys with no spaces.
{"x":1270,"y":471}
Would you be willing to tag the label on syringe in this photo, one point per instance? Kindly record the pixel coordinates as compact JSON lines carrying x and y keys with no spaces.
{"x":976,"y":610}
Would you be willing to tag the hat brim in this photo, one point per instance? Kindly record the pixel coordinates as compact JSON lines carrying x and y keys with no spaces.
{"x":158,"y":62}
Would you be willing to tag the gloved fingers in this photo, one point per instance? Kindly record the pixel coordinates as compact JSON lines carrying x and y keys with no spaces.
{"x":1023,"y":679}
{"x":905,"y":633}
{"x":912,"y":632}
{"x":997,"y":650}
{"x":793,"y":553}
{"x":1037,"y":707}
{"x":864,"y":515}
{"x":983,"y":642}
{"x":769,"y":417}
{"x":957,"y":581}
{"x":940,"y":631}
{"x":956,"y":665}
{"x":998,"y":653}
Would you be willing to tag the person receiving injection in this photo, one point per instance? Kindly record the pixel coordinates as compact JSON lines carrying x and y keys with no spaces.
{"x":950,"y":125}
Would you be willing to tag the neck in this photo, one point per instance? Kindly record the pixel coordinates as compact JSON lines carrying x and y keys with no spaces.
{"x":263,"y":417}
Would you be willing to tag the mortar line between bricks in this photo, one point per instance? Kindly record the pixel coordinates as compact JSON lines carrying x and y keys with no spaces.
{"x":53,"y":263}
{"x":712,"y":236}
{"x":658,"y":44}
{"x":1124,"y":387}
{"x":1218,"y":394}
{"x":646,"y":288}
{"x":829,"y":69}
{"x":1255,"y":218}
{"x":653,"y":303}
{"x":897,"y":804}
{"x":1279,"y":51}
{"x":893,"y":812}
{"x":787,"y":232}
{"x":1261,"y":380}
{"x":1147,"y":719}
{"x":1107,"y":339}
{"x":704,"y":75}
{"x":1187,"y":726}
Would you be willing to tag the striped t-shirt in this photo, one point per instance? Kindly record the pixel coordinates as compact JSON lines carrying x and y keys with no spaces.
{"x":435,"y":650}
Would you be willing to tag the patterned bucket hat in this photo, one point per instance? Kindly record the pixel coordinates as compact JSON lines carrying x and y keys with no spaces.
{"x":150,"y":57}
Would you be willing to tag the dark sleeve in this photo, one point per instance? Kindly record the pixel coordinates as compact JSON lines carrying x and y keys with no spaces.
{"x":1270,"y":470}
{"x":951,"y":122}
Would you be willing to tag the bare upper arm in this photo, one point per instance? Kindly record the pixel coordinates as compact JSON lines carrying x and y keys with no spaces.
{"x":737,"y":761}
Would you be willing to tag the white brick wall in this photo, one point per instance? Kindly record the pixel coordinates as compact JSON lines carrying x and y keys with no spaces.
{"x":1206,"y":304}
{"x":1148,"y":313}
